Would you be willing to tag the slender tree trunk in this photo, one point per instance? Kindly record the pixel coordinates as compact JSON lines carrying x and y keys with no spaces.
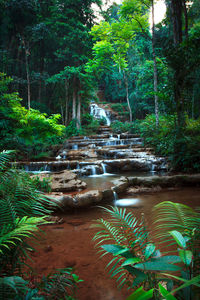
{"x":127,"y":97}
{"x":79,"y":111}
{"x":66,"y":102}
{"x":155,"y":69}
{"x":186,"y":18}
{"x":41,"y":69}
{"x":62,"y":114}
{"x":74,"y":99}
{"x":27,"y":72}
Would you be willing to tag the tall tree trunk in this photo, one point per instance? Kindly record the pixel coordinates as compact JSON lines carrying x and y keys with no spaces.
{"x":127,"y":97}
{"x":176,"y":6}
{"x":27,"y":72}
{"x":79,"y":111}
{"x":155,"y":69}
{"x":41,"y":67}
{"x":186,"y":18}
{"x":66,"y":101}
{"x":176,"y":10}
{"x":74,"y":99}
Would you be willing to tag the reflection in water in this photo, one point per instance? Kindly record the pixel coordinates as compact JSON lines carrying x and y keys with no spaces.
{"x":127,"y":202}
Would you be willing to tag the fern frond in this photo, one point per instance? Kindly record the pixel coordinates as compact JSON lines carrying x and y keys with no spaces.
{"x":5,"y":158}
{"x":128,"y":235}
{"x":170,"y":216}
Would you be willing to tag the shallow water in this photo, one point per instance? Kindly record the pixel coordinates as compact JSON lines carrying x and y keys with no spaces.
{"x":103,"y":181}
{"x":71,"y":243}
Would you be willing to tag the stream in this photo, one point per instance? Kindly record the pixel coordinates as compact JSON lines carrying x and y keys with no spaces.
{"x":70,"y":244}
{"x":99,"y":160}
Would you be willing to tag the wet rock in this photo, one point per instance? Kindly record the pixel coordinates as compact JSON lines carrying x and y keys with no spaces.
{"x":66,"y":181}
{"x":80,"y":200}
{"x":107,"y":194}
{"x":87,"y":199}
{"x":166,"y":181}
{"x":120,"y":185}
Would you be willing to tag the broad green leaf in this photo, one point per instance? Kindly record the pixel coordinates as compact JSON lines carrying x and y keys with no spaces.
{"x":168,"y":259}
{"x":157,"y":266}
{"x":178,"y":238}
{"x":150,"y":248}
{"x":186,"y":256}
{"x":140,"y":294}
{"x":131,"y":261}
{"x":165,"y":293}
{"x":114,"y":249}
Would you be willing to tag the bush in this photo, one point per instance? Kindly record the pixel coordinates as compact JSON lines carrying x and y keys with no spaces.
{"x":181,"y":146}
{"x":120,"y":127}
{"x":23,"y":129}
{"x":43,"y":185}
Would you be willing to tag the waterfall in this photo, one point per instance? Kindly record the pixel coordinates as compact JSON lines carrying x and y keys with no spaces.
{"x":98,"y":113}
{"x":115,"y":196}
{"x":75,"y":147}
{"x":152,"y":168}
{"x":93,"y":170}
{"x":103,"y":168}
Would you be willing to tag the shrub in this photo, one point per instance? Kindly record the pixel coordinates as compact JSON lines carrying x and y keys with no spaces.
{"x":136,"y":260}
{"x":24,"y":129}
{"x":181,"y":146}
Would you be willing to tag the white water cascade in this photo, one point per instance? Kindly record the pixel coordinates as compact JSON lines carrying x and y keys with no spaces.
{"x":98,"y":113}
{"x":103,"y":168}
{"x":93,"y":170}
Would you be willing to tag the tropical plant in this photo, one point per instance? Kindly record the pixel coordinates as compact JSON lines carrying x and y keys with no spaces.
{"x":136,"y":260}
{"x":61,"y":284}
{"x":22,"y":209}
{"x":42,"y":184}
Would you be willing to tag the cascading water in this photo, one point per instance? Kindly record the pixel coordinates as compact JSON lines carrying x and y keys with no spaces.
{"x":98,"y":113}
{"x":93,"y":171}
{"x":115,"y":196}
{"x":75,"y":147}
{"x":103,"y":168}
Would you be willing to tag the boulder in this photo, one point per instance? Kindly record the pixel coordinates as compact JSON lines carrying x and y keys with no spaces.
{"x":89,"y":198}
{"x":166,"y":181}
{"x":65,"y":181}
{"x":107,"y":194}
{"x":121,"y":185}
{"x":80,"y":200}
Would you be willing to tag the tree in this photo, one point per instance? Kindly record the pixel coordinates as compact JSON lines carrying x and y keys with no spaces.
{"x":137,"y":11}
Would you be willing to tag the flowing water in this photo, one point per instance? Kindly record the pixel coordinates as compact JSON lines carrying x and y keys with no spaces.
{"x":99,"y":160}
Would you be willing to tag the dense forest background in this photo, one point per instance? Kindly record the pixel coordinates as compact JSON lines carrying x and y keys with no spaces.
{"x":58,"y":57}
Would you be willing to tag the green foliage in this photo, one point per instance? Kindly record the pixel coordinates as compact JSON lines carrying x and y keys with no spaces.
{"x":122,"y":127}
{"x":22,"y":129}
{"x":181,"y":146}
{"x":61,"y":284}
{"x":42,"y":184}
{"x":136,"y":260}
{"x":22,"y":209}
